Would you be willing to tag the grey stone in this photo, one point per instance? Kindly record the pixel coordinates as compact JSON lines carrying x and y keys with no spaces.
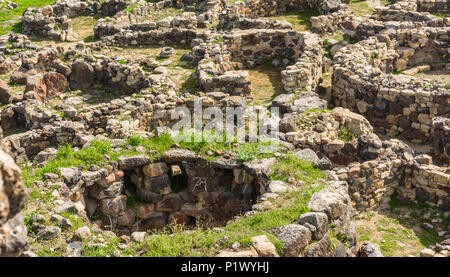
{"x":49,"y":232}
{"x":128,"y":162}
{"x":317,"y":220}
{"x":307,"y":155}
{"x":370,"y":250}
{"x":295,"y":238}
{"x":71,"y":175}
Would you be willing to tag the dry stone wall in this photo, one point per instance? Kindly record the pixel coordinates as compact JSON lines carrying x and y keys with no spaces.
{"x":245,"y":49}
{"x":363,"y":82}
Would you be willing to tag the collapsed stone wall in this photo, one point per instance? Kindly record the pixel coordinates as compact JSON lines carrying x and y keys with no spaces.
{"x":263,"y":8}
{"x":397,"y":103}
{"x":13,"y":197}
{"x":374,"y":169}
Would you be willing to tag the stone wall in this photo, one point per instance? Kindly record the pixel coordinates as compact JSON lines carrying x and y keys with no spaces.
{"x":433,"y":6}
{"x":392,"y":167}
{"x":179,"y":187}
{"x":132,"y":29}
{"x":53,"y":21}
{"x":217,"y":62}
{"x":42,"y":22}
{"x":400,"y":104}
{"x":262,"y":8}
{"x":332,"y":22}
{"x":334,"y":14}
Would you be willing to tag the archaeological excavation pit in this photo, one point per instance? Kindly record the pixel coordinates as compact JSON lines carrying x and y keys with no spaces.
{"x":140,"y":195}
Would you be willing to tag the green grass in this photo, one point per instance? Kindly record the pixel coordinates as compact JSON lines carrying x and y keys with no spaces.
{"x":300,"y":20}
{"x":77,"y":222}
{"x":190,"y":85}
{"x":210,"y":141}
{"x":11,"y":19}
{"x":67,"y":157}
{"x":345,"y":135}
{"x":98,"y":151}
{"x":89,"y":250}
{"x":301,"y":170}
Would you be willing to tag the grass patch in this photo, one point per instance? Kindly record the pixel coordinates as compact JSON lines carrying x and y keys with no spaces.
{"x":345,"y":135}
{"x":300,"y":20}
{"x":11,"y":19}
{"x":301,"y":170}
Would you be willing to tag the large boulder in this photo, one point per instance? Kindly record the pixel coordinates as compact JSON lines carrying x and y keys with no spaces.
{"x":13,"y":196}
{"x":56,"y":83}
{"x":332,"y":203}
{"x":370,"y":250}
{"x":307,"y":155}
{"x":5,"y":92}
{"x":355,"y":123}
{"x":295,"y":238}
{"x":36,"y":83}
{"x":82,"y":75}
{"x":317,"y":223}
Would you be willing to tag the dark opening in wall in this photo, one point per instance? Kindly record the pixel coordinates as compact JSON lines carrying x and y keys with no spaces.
{"x":159,"y":194}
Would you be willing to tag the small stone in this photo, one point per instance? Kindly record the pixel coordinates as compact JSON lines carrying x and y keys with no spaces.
{"x":264,"y":246}
{"x":49,"y":232}
{"x":138,"y":236}
{"x":427,"y":253}
{"x":82,"y":233}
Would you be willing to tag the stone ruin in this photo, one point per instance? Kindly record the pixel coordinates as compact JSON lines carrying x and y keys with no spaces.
{"x":368,"y":96}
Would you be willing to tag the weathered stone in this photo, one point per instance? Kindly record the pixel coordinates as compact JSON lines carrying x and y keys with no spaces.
{"x":128,"y":162}
{"x":155,"y":220}
{"x":5,"y":92}
{"x":307,"y":155}
{"x":36,"y":84}
{"x":71,"y":175}
{"x":145,"y":211}
{"x":330,"y":203}
{"x":159,"y":184}
{"x":138,"y":236}
{"x":264,"y":247}
{"x":56,"y":83}
{"x":370,"y":250}
{"x":179,"y":218}
{"x":295,"y":238}
{"x":81,"y":233}
{"x":317,"y":224}
{"x":154,"y":170}
{"x":49,"y":232}
{"x":170,"y":203}
{"x":82,"y":75}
